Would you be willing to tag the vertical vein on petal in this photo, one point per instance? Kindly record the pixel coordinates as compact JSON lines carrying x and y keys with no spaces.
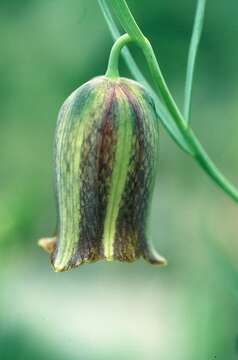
{"x":120,"y":169}
{"x":68,"y":157}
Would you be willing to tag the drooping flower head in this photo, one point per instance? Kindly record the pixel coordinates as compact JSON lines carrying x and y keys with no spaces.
{"x":106,"y":156}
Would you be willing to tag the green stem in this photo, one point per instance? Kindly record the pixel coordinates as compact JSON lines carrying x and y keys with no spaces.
{"x":129,"y":24}
{"x":165,"y":117}
{"x":161,"y":85}
{"x":113,"y":63}
{"x":210,"y":168}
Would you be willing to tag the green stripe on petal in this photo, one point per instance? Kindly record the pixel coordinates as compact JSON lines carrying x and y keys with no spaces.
{"x":120,"y":169}
{"x":68,"y":159}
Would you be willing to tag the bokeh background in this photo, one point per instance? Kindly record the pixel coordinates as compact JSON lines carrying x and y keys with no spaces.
{"x":188,"y":310}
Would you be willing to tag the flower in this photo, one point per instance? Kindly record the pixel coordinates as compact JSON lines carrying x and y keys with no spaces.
{"x":106,"y":156}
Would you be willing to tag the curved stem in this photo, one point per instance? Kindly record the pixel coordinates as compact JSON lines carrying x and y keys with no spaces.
{"x":113,"y":63}
{"x":161,"y":85}
{"x":165,"y":117}
{"x":206,"y":163}
{"x":128,"y":23}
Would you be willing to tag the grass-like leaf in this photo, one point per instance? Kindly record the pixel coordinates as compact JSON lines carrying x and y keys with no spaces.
{"x":194,"y":43}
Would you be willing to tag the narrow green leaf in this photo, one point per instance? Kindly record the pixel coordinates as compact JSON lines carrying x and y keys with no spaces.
{"x":194,"y":43}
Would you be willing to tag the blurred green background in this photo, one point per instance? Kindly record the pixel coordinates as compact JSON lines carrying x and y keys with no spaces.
{"x":188,"y":310}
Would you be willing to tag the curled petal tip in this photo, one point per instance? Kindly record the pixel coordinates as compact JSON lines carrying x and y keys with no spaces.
{"x":155,"y":258}
{"x":58,"y":267}
{"x":48,"y":244}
